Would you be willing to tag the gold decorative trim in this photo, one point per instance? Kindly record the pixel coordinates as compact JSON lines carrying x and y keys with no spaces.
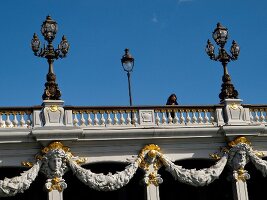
{"x":239,"y":140}
{"x":233,"y":106}
{"x":153,"y":179}
{"x":152,"y":151}
{"x":56,"y":184}
{"x":27,"y":164}
{"x":242,"y":175}
{"x":259,"y":154}
{"x":55,"y":145}
{"x":58,"y":145}
{"x":215,"y":156}
{"x":53,"y":108}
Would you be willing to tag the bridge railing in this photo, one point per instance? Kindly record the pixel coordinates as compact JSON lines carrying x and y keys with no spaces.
{"x":110,"y":116}
{"x":258,"y":113}
{"x":14,"y":117}
{"x":148,"y":115}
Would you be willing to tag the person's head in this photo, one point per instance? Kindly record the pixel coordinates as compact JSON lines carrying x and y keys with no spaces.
{"x":172,"y":99}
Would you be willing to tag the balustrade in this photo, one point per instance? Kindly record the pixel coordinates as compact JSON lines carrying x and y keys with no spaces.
{"x":16,"y":117}
{"x":258,"y":113}
{"x":130,"y":116}
{"x":83,"y":116}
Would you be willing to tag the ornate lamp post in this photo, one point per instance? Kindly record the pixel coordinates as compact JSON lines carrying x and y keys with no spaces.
{"x":220,"y":36}
{"x":49,"y":30}
{"x":127,"y":62}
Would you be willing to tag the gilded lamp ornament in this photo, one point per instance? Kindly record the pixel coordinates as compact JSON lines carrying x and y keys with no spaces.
{"x":49,"y":30}
{"x":220,"y":36}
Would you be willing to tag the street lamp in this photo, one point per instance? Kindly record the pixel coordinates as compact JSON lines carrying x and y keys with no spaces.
{"x":220,"y":36}
{"x":127,"y":62}
{"x":49,"y":30}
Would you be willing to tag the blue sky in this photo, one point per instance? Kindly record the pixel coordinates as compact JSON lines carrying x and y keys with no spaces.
{"x":166,"y":37}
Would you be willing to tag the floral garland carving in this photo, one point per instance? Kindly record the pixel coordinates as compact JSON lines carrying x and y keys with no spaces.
{"x":150,"y":160}
{"x":18,"y":184}
{"x":195,"y":177}
{"x":103,"y":182}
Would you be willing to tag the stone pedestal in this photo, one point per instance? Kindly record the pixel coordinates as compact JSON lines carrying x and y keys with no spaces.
{"x":234,"y":113}
{"x":53,"y":113}
{"x":55,"y":195}
{"x":152,"y":192}
{"x":240,"y":190}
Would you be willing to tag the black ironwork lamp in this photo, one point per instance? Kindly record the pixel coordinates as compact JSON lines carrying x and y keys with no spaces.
{"x":127,"y":62}
{"x":220,"y":36}
{"x":49,"y":30}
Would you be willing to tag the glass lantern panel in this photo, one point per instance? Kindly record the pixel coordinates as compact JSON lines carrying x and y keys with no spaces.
{"x":128,"y":66}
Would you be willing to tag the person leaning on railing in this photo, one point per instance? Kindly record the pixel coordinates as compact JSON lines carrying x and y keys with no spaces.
{"x":172,"y":100}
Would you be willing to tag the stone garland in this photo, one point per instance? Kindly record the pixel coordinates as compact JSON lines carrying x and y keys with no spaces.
{"x":259,"y":163}
{"x":103,"y":182}
{"x":110,"y":182}
{"x":18,"y":184}
{"x":195,"y":177}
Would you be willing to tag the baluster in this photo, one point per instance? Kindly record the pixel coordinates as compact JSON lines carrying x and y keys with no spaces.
{"x":211,"y":116}
{"x":261,"y":115}
{"x":188,"y":118}
{"x":29,"y":121}
{"x":15,"y":121}
{"x":89,"y":120}
{"x":256,"y":118}
{"x":182,"y":119}
{"x":134,"y":120}
{"x":122,"y":120}
{"x":82,"y":120}
{"x":115,"y":118}
{"x":8,"y":122}
{"x":109,"y":120}
{"x":102,"y":119}
{"x":2,"y":122}
{"x":200,"y":118}
{"x":175,"y":119}
{"x":251,"y":115}
{"x":129,"y":116}
{"x":194,"y":118}
{"x":96,"y":120}
{"x":206,"y":118}
{"x":22,"y":120}
{"x":157,"y":119}
{"x":75,"y":120}
{"x":169,"y":116}
{"x":164,"y":119}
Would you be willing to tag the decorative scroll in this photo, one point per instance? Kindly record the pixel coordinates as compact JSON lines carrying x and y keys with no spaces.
{"x":18,"y":184}
{"x":103,"y":182}
{"x":195,"y":177}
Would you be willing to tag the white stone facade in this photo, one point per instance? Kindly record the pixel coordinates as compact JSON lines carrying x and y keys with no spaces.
{"x":67,"y":138}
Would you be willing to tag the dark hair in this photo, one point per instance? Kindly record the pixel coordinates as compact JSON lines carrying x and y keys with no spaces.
{"x":170,"y":101}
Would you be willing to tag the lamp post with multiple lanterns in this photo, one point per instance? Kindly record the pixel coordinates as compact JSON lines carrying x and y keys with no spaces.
{"x":220,"y":36}
{"x":49,"y":30}
{"x":127,"y":62}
